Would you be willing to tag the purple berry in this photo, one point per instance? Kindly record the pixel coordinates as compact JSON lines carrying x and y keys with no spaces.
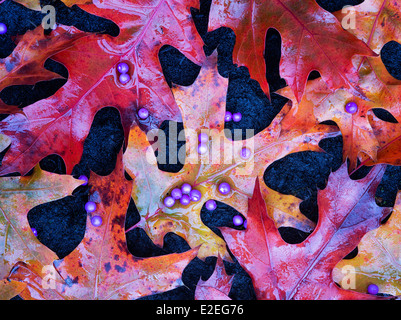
{"x":237,"y":117}
{"x":228,"y":117}
{"x":224,"y":188}
{"x":96,"y":221}
{"x":373,"y":289}
{"x":186,"y":188}
{"x":3,"y":28}
{"x":122,"y":67}
{"x":195,"y":195}
{"x":203,"y":137}
{"x":351,"y":107}
{"x":238,"y":220}
{"x":202,"y":148}
{"x":245,"y":153}
{"x":143,"y":113}
{"x":211,"y":205}
{"x":85,"y":178}
{"x":176,"y":193}
{"x":35,"y":233}
{"x":124,"y":78}
{"x":169,"y":202}
{"x":90,"y":206}
{"x":185,"y":200}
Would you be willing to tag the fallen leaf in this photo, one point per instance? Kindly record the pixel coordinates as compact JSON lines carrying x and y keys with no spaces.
{"x":312,"y":39}
{"x":25,"y":66}
{"x":203,"y":108}
{"x":347,"y":211}
{"x":60,"y":123}
{"x":101,"y":267}
{"x":18,"y":195}
{"x":9,"y":289}
{"x":320,"y":104}
{"x":217,"y":287}
{"x":379,"y":257}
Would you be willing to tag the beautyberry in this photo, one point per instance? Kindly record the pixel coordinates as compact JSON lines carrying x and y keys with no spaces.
{"x":90,"y":206}
{"x":122,"y":67}
{"x":351,"y":107}
{"x":238,"y":220}
{"x":224,"y":188}
{"x":186,"y":188}
{"x":96,"y":221}
{"x":169,"y":202}
{"x":211,"y":205}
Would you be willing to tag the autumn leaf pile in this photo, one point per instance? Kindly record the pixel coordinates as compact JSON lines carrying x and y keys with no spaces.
{"x":101,"y":266}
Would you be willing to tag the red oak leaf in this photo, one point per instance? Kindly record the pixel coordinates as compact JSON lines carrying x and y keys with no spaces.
{"x":217,"y":287}
{"x":304,"y":271}
{"x":60,"y":123}
{"x":312,"y":39}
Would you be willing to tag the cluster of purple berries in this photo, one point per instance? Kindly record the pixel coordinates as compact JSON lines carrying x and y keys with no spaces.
{"x":185,"y":194}
{"x":123,"y":69}
{"x":236,"y":117}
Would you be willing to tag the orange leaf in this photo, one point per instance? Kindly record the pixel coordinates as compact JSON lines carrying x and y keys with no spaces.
{"x":101,"y":267}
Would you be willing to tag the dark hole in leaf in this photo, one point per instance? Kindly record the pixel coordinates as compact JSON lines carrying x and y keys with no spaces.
{"x":391,"y":57}
{"x":292,"y":235}
{"x":103,"y":142}
{"x":352,"y":254}
{"x":384,"y":115}
{"x":60,"y":224}
{"x":53,"y":163}
{"x":333,"y":6}
{"x":176,"y":67}
{"x":168,"y":154}
{"x":272,"y":59}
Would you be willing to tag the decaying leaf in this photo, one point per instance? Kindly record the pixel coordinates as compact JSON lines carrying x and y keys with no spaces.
{"x":347,"y":211}
{"x":203,"y":107}
{"x":17,"y":196}
{"x":60,"y":123}
{"x":376,"y":22}
{"x":217,"y":287}
{"x":26,"y":63}
{"x":101,"y":267}
{"x":9,"y":289}
{"x":378,"y":259}
{"x":320,"y":104}
{"x":312,"y":39}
